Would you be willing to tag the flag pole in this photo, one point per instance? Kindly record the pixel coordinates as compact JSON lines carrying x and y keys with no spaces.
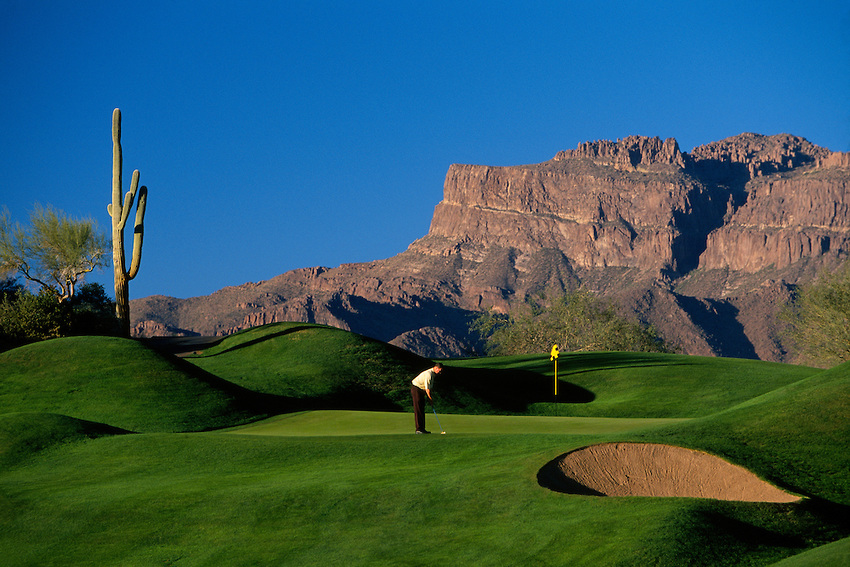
{"x":553,"y":355}
{"x":556,"y":377}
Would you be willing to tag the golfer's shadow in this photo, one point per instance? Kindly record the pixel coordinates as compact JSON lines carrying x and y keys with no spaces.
{"x":507,"y":390}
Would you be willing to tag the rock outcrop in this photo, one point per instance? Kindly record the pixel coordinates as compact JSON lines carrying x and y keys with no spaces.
{"x":706,"y":246}
{"x":630,"y":154}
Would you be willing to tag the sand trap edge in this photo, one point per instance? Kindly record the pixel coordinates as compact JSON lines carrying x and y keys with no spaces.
{"x":655,"y":470}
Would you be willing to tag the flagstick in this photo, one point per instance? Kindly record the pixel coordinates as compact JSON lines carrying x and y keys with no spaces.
{"x":556,"y":377}
{"x":553,"y":355}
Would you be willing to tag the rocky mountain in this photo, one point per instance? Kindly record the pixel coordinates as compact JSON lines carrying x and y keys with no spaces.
{"x":705,"y":245}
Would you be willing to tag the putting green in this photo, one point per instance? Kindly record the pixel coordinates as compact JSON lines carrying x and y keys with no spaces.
{"x":341,"y":422}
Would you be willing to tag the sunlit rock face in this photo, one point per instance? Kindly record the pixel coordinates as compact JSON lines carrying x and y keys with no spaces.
{"x":706,"y":246}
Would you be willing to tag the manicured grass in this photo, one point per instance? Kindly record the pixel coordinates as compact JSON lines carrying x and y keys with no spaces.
{"x":25,"y":434}
{"x":319,"y":365}
{"x":224,"y":499}
{"x":835,"y":553}
{"x":798,"y":435}
{"x":358,"y":488}
{"x":121,"y":383}
{"x":340,"y":422}
{"x":616,"y":384}
{"x":329,"y":368}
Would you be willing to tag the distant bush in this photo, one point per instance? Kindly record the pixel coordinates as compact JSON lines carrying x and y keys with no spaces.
{"x":93,"y":312}
{"x":819,"y":318}
{"x":26,"y":317}
{"x":576,"y":321}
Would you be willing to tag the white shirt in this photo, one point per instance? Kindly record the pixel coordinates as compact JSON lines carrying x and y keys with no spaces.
{"x":425,"y":379}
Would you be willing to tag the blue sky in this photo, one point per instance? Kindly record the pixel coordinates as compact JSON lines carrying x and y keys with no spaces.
{"x":282,"y":135}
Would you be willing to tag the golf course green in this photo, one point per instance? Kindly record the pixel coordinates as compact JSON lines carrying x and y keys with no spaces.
{"x":292,"y":444}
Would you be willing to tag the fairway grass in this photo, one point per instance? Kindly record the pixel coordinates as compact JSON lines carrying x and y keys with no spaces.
{"x":223,"y":499}
{"x":341,"y":423}
{"x":215,"y":474}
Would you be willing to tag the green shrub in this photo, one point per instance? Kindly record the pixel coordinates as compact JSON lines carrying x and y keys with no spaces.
{"x":26,"y":317}
{"x":576,"y":321}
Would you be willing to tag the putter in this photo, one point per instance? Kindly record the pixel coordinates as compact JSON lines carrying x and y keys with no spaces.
{"x":442,"y":431}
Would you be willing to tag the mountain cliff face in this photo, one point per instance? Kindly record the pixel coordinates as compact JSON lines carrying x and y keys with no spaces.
{"x":706,"y":246}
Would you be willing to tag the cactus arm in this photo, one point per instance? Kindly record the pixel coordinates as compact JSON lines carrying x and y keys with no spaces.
{"x":128,"y":200}
{"x":138,"y":233}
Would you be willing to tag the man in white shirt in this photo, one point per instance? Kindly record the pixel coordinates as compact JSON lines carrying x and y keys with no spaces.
{"x":420,"y":387}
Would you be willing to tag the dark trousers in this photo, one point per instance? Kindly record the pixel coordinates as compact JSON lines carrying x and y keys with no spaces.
{"x":418,"y":396}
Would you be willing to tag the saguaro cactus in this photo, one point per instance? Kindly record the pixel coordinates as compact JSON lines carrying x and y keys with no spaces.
{"x":120,"y":212}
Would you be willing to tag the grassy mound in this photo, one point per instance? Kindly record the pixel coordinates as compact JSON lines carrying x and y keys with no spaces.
{"x":835,"y":553}
{"x":798,"y":435}
{"x":322,"y":366}
{"x":613,"y":384}
{"x":329,"y":368}
{"x":356,"y":487}
{"x":121,"y":383}
{"x":25,"y":434}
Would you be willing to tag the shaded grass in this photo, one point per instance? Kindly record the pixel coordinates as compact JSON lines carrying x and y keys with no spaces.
{"x":324,"y":366}
{"x":122,"y":383}
{"x":624,"y":384}
{"x":23,"y":435}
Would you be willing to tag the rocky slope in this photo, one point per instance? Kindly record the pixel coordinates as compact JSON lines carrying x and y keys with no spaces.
{"x":704,"y":245}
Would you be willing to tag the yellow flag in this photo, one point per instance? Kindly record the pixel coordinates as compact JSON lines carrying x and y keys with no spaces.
{"x":554,"y":354}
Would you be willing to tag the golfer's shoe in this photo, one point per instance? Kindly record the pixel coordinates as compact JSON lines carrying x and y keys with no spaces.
{"x":418,"y":432}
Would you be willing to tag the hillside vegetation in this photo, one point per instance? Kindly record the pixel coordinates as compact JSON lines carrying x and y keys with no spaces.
{"x":260,"y":451}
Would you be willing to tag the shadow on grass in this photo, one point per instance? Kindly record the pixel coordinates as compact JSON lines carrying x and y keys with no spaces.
{"x":596,"y":362}
{"x":505,"y":390}
{"x":262,"y":339}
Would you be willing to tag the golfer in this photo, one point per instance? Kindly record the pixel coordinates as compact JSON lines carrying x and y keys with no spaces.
{"x":421,"y":387}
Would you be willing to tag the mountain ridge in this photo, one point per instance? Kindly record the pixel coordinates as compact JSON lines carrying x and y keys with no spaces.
{"x":705,"y":245}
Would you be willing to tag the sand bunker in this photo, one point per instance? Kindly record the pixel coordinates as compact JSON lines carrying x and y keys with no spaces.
{"x":646,"y":469}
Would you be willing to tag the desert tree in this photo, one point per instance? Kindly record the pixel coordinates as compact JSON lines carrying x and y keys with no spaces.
{"x":119,"y":210}
{"x":54,"y":252}
{"x":819,"y":318}
{"x":575,"y":321}
{"x":27,"y":317}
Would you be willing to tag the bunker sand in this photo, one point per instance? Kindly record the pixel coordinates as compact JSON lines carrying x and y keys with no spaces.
{"x":647,"y":469}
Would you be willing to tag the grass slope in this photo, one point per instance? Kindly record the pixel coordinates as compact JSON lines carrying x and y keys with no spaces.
{"x":836,"y":553}
{"x":319,"y":365}
{"x":797,"y":435}
{"x":615,"y":384}
{"x":121,"y":383}
{"x":329,"y":368}
{"x":333,"y":487}
{"x":23,"y":435}
{"x":224,"y":499}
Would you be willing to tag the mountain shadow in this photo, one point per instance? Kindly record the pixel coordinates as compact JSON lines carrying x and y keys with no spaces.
{"x":719,"y":321}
